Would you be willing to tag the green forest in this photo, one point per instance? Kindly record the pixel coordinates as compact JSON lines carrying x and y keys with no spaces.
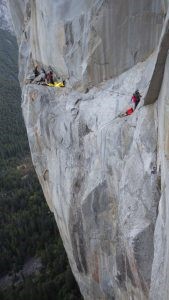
{"x":27,"y":228}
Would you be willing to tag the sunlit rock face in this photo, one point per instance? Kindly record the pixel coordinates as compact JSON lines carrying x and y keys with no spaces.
{"x":89,"y":41}
{"x":104,"y":177}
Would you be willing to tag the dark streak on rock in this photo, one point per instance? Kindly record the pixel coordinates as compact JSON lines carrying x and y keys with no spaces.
{"x":78,"y":239}
{"x":83,"y":130}
{"x":46,"y":175}
{"x":100,"y":199}
{"x":157,"y":77}
{"x":88,"y":130}
{"x":69,"y":34}
{"x":121,"y":270}
{"x":65,"y":127}
{"x":143,"y":247}
{"x":129,"y":272}
{"x":77,"y":185}
{"x":77,"y":101}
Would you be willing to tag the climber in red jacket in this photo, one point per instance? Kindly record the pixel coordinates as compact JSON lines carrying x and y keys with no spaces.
{"x":136,"y":98}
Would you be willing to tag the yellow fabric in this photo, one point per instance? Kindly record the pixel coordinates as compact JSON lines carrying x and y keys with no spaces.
{"x":56,"y":84}
{"x":50,"y":84}
{"x":59,"y":84}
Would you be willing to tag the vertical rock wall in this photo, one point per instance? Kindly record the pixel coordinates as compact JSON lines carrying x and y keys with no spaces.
{"x":160,"y":276}
{"x":103,"y":176}
{"x":90,"y":41}
{"x":103,"y":201}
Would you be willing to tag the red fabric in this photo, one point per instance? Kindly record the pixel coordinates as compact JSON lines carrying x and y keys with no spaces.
{"x":134,"y":99}
{"x":129,"y":111}
{"x":48,"y":76}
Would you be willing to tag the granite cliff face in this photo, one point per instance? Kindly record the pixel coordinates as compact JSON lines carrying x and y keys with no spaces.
{"x":104,"y":177}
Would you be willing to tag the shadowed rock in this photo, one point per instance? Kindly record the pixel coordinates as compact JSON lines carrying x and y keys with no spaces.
{"x":157,"y":78}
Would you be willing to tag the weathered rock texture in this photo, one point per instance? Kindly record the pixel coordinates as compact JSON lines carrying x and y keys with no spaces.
{"x":104,"y":177}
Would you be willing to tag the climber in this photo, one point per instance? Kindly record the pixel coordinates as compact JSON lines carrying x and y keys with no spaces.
{"x":49,"y":77}
{"x":36,"y":71}
{"x":32,"y":75}
{"x":40,"y":78}
{"x":136,"y":98}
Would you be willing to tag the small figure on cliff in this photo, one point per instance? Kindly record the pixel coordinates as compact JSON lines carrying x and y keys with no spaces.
{"x":136,"y":98}
{"x":40,"y":78}
{"x":49,"y":77}
{"x":36,"y":71}
{"x":32,"y":75}
{"x":135,"y":101}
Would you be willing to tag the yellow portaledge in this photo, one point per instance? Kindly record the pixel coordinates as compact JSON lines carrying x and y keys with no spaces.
{"x":56,"y":84}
